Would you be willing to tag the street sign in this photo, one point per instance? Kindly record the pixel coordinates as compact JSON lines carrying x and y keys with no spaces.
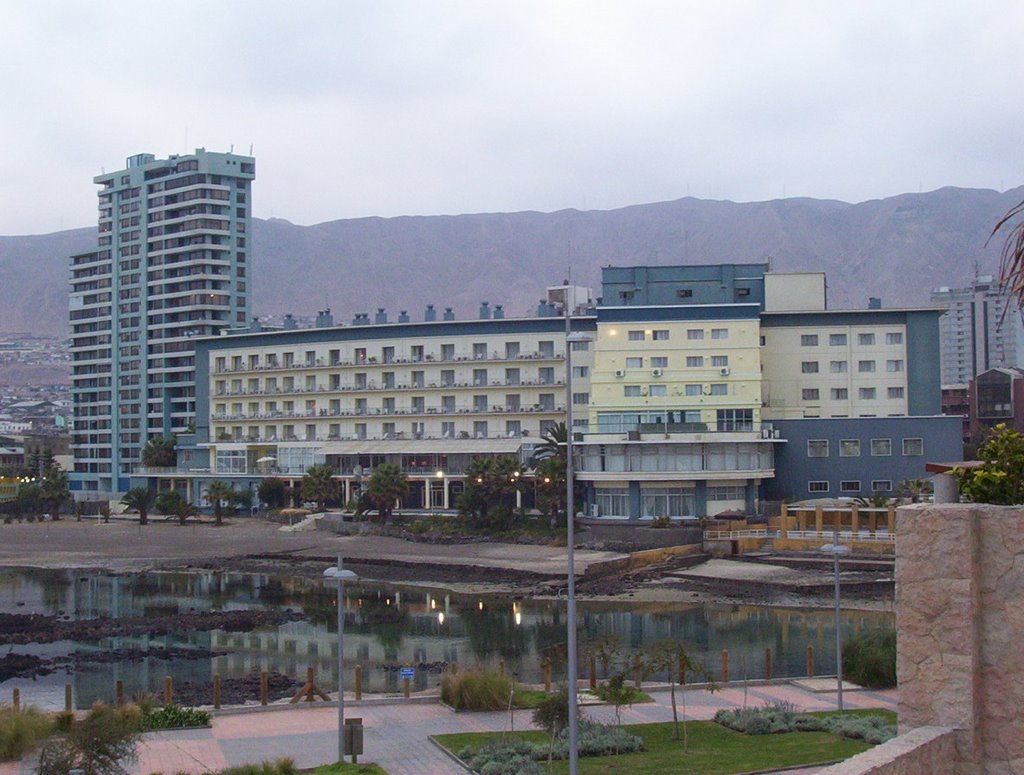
{"x":407,"y":672}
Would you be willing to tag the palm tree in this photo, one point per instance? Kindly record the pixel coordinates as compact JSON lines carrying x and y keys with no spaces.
{"x":160,"y":452}
{"x":216,"y":493}
{"x":141,"y":499}
{"x":55,"y":488}
{"x":319,"y":485}
{"x":1011,"y":267}
{"x":388,"y":484}
{"x":554,"y":444}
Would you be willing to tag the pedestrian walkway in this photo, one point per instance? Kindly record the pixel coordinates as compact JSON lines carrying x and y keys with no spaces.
{"x":396,"y":736}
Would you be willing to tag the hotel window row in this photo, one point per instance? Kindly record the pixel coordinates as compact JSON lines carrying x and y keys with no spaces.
{"x":912,"y":447}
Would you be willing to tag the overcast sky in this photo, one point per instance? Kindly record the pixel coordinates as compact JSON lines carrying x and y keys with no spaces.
{"x":392,"y":108}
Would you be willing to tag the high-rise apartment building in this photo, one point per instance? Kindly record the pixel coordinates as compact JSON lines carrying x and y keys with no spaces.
{"x":172,"y":263}
{"x":981,"y":330}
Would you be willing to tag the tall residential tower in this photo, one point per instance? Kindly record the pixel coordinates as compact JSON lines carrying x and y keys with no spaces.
{"x":172,"y":262}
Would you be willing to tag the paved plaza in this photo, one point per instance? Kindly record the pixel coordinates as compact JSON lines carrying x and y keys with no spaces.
{"x":396,"y":735}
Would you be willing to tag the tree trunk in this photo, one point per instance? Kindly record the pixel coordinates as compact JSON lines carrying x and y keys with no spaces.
{"x":143,"y":517}
{"x":675,"y":714}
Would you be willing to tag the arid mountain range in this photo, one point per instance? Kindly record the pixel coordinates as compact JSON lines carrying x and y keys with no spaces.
{"x":897,"y":248}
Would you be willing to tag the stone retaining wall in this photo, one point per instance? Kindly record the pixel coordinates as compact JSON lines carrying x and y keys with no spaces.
{"x":922,"y":751}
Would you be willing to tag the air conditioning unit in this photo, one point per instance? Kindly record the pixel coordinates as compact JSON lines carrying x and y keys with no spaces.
{"x":724,"y":371}
{"x":620,"y":372}
{"x":657,"y":372}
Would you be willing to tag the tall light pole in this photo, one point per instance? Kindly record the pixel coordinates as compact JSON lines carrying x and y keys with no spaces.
{"x":341,"y":576}
{"x":836,"y":549}
{"x":570,"y":540}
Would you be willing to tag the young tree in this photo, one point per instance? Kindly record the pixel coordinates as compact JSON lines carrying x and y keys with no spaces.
{"x":490,"y":481}
{"x":319,"y":485}
{"x":671,"y":656}
{"x":217,"y":493}
{"x":173,"y":503}
{"x":553,"y":445}
{"x":550,"y":481}
{"x":272,"y":492}
{"x":140,"y":499}
{"x":160,"y":452}
{"x":54,"y":489}
{"x":388,"y":484}
{"x":1000,"y":477}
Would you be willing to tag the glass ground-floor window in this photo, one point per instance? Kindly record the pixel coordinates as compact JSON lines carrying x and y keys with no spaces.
{"x":666,"y":502}
{"x":612,"y":501}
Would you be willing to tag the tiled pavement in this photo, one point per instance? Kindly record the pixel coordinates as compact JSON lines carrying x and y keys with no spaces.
{"x":396,"y":735}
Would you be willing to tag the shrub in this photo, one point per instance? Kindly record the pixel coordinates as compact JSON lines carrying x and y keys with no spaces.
{"x":508,"y":757}
{"x":776,"y":719}
{"x":97,"y":744}
{"x":476,"y":690}
{"x":552,"y":715}
{"x":869,"y":659}
{"x":20,"y":732}
{"x":175,"y":717}
{"x":277,"y":767}
{"x":519,"y":757}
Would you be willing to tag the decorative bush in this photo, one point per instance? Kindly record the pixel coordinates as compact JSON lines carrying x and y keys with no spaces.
{"x":174,"y":717}
{"x":869,"y":659}
{"x":476,"y":690}
{"x":20,"y":732}
{"x":98,"y":744}
{"x":509,"y":757}
{"x":776,"y":719}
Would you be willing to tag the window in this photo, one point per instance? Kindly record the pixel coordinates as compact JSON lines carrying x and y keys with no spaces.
{"x":719,"y":389}
{"x":418,"y":379}
{"x":684,"y":293}
{"x":809,"y":394}
{"x":726,"y":493}
{"x":512,"y":376}
{"x":513,"y":401}
{"x":837,"y":340}
{"x":513,"y":428}
{"x":839,"y":394}
{"x":480,"y":429}
{"x":719,"y":333}
{"x":865,"y":339}
{"x":634,"y":363}
{"x":479,"y":351}
{"x":866,"y":367}
{"x":636,"y":336}
{"x":894,"y":338}
{"x":612,"y":501}
{"x":659,"y":362}
{"x":849,"y":448}
{"x":881,"y":485}
{"x":661,"y":336}
{"x":817,"y":448}
{"x":809,"y":367}
{"x":579,"y":346}
{"x":837,"y":367}
{"x":817,"y":487}
{"x":631,"y":391}
{"x":447,"y":430}
{"x":447,"y":403}
{"x":894,"y":367}
{"x":479,"y":403}
{"x":881,"y":447}
{"x":695,"y":333}
{"x":546,"y":375}
{"x":546,"y":349}
{"x":693,"y":390}
{"x":849,"y":485}
{"x":387,"y":355}
{"x":694,"y":361}
{"x":719,"y":360}
{"x":730,"y":419}
{"x":742,"y":291}
{"x":866,"y":394}
{"x":447,"y":352}
{"x":659,"y":391}
{"x":479,"y":377}
{"x":582,"y":399}
{"x":894,"y":392}
{"x":913,"y":447}
{"x":808,"y":340}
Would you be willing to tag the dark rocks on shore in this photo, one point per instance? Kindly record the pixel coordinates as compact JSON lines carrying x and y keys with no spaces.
{"x":18,"y":629}
{"x":31,"y":666}
{"x":236,"y":691}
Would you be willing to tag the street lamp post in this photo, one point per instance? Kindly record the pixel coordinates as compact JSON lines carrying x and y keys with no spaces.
{"x":341,"y":576}
{"x":836,"y":549}
{"x":570,"y":508}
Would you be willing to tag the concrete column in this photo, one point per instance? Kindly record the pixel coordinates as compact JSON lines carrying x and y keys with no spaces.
{"x":819,"y":518}
{"x":783,"y":520}
{"x":855,"y":518}
{"x":803,"y":518}
{"x":700,"y":499}
{"x":892,"y":519}
{"x":634,"y":500}
{"x":946,"y":489}
{"x":445,"y":499}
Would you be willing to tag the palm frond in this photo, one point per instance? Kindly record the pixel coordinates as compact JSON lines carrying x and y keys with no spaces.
{"x":1011,"y":258}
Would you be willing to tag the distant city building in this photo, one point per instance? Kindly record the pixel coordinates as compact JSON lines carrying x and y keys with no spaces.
{"x":172,"y":263}
{"x":997,"y":398}
{"x":982,"y":329}
{"x":696,"y":390}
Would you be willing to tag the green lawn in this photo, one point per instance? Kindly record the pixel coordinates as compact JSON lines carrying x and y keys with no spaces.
{"x":713,"y":749}
{"x":348,"y":769}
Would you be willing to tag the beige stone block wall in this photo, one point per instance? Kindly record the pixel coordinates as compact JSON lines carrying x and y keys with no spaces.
{"x":960,"y":643}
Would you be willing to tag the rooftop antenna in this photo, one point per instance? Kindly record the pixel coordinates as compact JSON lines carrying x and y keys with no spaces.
{"x":232,"y":148}
{"x":250,"y":149}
